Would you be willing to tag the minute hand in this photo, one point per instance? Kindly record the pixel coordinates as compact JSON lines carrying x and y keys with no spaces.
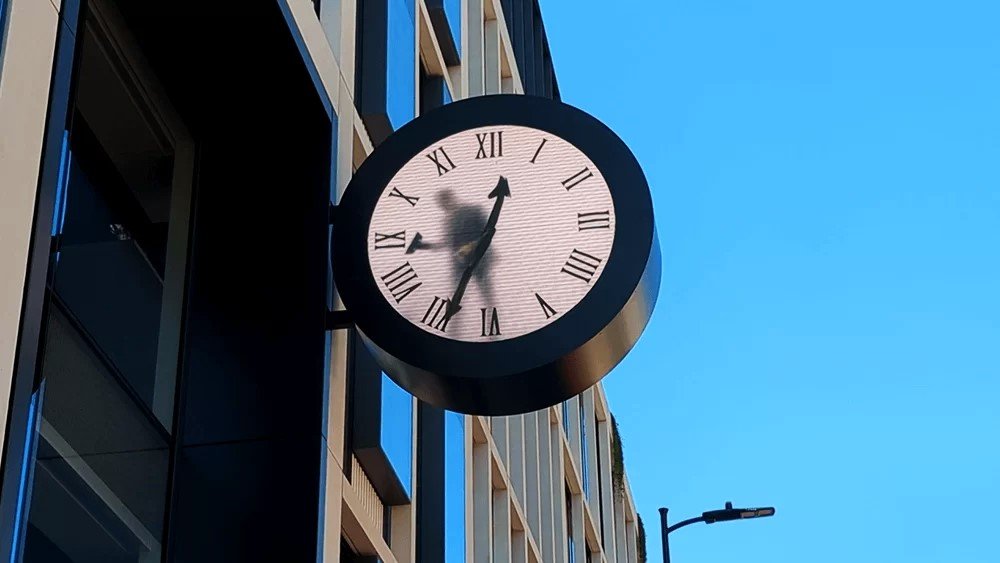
{"x":500,"y":192}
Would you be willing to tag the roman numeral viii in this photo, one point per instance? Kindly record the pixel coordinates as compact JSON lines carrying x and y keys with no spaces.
{"x":494,"y":322}
{"x":441,"y":160}
{"x":576,"y":179}
{"x":393,"y":240}
{"x":438,"y":314}
{"x":401,"y":282}
{"x":490,"y":144}
{"x":594,"y":220}
{"x":581,"y":265}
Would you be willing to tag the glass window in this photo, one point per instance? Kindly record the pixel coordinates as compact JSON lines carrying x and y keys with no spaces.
{"x":401,"y":63}
{"x":584,"y":455}
{"x":570,"y":546}
{"x":454,"y":487}
{"x":103,"y":412}
{"x":565,"y":417}
{"x":453,"y":11}
{"x":397,"y":429}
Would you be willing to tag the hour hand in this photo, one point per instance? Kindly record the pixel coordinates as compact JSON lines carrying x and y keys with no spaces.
{"x":418,"y":243}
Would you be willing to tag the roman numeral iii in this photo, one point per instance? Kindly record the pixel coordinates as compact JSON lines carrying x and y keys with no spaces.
{"x":409,"y":199}
{"x":438,"y":314}
{"x":493,"y":324}
{"x":581,"y":265}
{"x":393,"y":240}
{"x":441,"y":160}
{"x":401,"y":282}
{"x":490,"y":144}
{"x":594,"y":220}
{"x":576,"y":179}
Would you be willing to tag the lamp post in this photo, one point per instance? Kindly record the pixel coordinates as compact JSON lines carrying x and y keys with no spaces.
{"x":709,"y":517}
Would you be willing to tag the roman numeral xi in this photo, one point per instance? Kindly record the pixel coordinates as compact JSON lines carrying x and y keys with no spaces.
{"x":401,"y":282}
{"x":581,"y":265}
{"x":441,"y":160}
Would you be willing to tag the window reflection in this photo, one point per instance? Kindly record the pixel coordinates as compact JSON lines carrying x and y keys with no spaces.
{"x":397,"y":430}
{"x":454,"y":487}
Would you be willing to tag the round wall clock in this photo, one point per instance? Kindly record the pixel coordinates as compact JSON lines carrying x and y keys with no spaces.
{"x":498,"y":255}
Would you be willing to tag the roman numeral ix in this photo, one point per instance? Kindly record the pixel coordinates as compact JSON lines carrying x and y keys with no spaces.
{"x":494,"y":146}
{"x":581,"y":265}
{"x":441,"y":160}
{"x":438,"y":314}
{"x":594,"y":220}
{"x":546,"y":308}
{"x":393,"y":240}
{"x":409,"y":199}
{"x":494,"y":322}
{"x":575,"y":180}
{"x":401,"y":282}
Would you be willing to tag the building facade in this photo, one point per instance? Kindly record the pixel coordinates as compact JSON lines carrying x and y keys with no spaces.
{"x":171,"y":388}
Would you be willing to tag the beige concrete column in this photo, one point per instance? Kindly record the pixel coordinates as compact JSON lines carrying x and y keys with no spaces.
{"x":492,"y":46}
{"x":472,"y":48}
{"x":24,"y":96}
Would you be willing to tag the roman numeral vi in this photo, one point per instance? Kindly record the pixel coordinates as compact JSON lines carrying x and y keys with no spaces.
{"x":494,"y":322}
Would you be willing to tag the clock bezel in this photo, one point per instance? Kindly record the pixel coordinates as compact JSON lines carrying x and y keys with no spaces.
{"x":540,"y":368}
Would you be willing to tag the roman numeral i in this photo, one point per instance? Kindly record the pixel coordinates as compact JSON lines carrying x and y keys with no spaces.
{"x":581,"y":265}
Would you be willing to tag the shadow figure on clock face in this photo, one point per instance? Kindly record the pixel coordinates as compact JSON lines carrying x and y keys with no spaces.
{"x":466,"y":225}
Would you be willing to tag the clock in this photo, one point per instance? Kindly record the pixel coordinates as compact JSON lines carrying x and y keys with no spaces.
{"x":498,"y":255}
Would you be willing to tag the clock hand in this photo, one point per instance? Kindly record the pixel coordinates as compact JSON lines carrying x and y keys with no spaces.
{"x":418,"y":243}
{"x":500,"y":192}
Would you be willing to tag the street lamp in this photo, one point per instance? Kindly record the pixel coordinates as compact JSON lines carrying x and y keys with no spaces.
{"x":709,"y":517}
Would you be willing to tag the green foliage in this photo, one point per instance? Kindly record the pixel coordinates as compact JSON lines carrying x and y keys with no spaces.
{"x":617,"y":459}
{"x":640,"y":544}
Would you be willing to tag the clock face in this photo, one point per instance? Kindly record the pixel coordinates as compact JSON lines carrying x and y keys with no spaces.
{"x":491,"y":233}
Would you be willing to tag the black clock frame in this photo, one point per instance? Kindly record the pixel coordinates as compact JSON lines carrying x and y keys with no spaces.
{"x":538,"y":369}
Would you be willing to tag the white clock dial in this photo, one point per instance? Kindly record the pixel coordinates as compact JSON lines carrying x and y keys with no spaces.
{"x":491,"y":233}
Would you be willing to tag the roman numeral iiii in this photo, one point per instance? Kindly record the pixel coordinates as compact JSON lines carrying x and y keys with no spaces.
{"x":581,"y":265}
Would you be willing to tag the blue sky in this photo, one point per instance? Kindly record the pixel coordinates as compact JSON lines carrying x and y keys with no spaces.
{"x":826,"y":178}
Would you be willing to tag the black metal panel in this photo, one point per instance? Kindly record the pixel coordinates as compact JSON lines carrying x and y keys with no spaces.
{"x":430,"y":484}
{"x":539,"y":53}
{"x":370,"y":79}
{"x":30,"y":332}
{"x":526,"y":62}
{"x":442,"y":30}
